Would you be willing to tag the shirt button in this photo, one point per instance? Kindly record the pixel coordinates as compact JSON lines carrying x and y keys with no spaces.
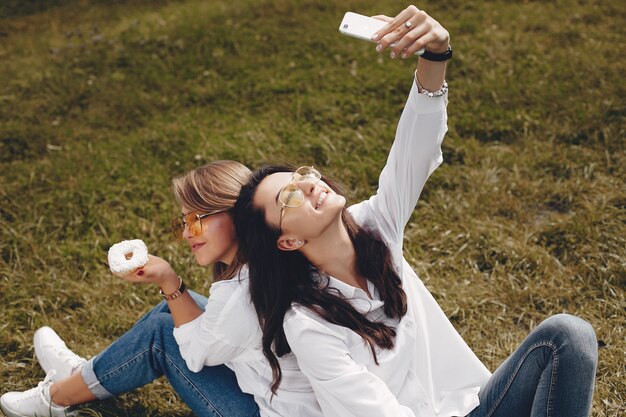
{"x":378,"y":351}
{"x":409,"y":323}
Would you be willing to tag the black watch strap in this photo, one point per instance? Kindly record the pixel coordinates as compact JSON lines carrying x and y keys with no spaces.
{"x":431,"y":56}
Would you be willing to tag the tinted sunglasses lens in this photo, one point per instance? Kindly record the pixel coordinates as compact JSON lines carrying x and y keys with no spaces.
{"x":291,"y":196}
{"x":308,"y":174}
{"x":177,"y":228}
{"x":194,"y":224}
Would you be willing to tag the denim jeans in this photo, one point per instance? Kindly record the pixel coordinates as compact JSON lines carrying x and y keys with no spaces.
{"x":551,"y":374}
{"x":147,"y":351}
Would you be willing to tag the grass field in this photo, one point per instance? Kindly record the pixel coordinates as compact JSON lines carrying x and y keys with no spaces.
{"x":102,"y":102}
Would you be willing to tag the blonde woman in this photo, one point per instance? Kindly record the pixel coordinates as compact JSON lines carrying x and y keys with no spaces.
{"x":209,"y":349}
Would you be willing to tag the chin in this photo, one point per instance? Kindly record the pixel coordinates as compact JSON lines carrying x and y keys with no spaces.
{"x":334,"y":210}
{"x":203,"y":261}
{"x":338,"y":203}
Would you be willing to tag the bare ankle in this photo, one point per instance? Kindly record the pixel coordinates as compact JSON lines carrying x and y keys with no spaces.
{"x":70,"y":391}
{"x":56,"y":398}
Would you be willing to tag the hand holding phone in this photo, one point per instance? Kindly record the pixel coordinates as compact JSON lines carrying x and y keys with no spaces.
{"x":363,"y":27}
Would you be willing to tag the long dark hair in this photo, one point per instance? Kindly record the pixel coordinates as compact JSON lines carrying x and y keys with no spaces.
{"x":279,"y":278}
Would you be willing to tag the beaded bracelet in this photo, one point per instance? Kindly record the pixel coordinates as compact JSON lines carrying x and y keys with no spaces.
{"x":443,"y":90}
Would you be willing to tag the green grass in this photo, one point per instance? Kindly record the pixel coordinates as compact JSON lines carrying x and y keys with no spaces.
{"x":102,"y":103}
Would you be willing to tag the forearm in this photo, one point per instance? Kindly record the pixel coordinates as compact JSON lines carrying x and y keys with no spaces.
{"x":431,"y":74}
{"x":414,"y":155}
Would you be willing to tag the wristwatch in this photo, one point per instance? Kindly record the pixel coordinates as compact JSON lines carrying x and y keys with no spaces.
{"x":181,"y":289}
{"x":432,"y":56}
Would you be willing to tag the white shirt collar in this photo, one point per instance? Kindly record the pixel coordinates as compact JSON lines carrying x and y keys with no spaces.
{"x":356,"y":296}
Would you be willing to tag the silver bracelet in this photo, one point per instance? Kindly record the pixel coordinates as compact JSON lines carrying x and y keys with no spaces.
{"x":443,"y":90}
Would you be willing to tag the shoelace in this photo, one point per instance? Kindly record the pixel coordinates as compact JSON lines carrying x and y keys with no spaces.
{"x":69,"y":356}
{"x":38,"y":390}
{"x":66,"y":355}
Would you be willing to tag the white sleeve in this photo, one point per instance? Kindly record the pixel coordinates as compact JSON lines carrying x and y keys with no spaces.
{"x":414,"y":155}
{"x":342,"y":387}
{"x":223,"y":333}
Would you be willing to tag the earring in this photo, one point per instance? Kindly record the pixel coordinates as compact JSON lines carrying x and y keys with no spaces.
{"x":300,"y":242}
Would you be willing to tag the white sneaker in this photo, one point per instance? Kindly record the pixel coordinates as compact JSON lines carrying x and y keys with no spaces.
{"x":32,"y":403}
{"x":52,"y":353}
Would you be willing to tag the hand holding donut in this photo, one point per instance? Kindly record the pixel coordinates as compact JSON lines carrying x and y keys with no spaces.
{"x":411,"y":30}
{"x":130,"y":261}
{"x":157,"y":271}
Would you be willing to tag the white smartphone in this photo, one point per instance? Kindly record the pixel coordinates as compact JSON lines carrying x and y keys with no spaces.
{"x":363,"y":27}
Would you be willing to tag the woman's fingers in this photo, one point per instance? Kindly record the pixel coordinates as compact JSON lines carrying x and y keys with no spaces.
{"x":411,"y":30}
{"x":394,"y":29}
{"x":419,"y":44}
{"x":414,"y":39}
{"x":156,"y":271}
{"x":130,"y":276}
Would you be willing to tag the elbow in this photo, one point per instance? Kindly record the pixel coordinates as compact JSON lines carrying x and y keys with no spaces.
{"x":193,"y":363}
{"x":194,"y":366}
{"x":209,"y":361}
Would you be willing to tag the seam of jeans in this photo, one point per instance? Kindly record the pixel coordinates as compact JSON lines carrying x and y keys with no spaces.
{"x":548,"y":344}
{"x":122,"y":366}
{"x":553,"y":377}
{"x":189,"y":382}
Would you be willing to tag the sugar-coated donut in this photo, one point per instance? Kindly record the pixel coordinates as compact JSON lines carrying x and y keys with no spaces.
{"x":137,"y":250}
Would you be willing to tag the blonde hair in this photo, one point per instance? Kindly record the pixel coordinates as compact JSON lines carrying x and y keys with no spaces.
{"x":214,"y":186}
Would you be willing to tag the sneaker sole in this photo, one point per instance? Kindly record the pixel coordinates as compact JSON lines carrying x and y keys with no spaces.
{"x":10,"y":413}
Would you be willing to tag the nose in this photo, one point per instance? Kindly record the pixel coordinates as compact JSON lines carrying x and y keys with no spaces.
{"x":186,"y":233}
{"x":307,"y":187}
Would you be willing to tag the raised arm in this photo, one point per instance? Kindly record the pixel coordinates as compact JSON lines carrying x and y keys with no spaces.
{"x":416,"y":151}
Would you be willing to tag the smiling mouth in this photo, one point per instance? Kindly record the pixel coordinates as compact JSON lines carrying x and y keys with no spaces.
{"x":321,"y":199}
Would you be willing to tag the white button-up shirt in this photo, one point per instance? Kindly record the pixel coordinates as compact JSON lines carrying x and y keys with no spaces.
{"x":430,"y":371}
{"x":228,"y":332}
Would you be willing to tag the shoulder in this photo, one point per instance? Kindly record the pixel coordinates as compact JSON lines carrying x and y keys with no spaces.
{"x":320,"y":346}
{"x":299,"y":315}
{"x":366,"y":217}
{"x":363,"y":215}
{"x":230,"y":300}
{"x":236,"y":286}
{"x":300,"y":322}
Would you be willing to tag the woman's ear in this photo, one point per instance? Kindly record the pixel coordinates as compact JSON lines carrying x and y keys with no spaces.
{"x":286,"y":244}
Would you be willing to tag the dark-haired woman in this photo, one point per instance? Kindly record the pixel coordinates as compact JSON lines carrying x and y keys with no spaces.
{"x":331,"y":285}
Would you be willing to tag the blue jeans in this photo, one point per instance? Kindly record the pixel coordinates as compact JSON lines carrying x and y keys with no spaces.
{"x":551,"y":374}
{"x":147,"y":351}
